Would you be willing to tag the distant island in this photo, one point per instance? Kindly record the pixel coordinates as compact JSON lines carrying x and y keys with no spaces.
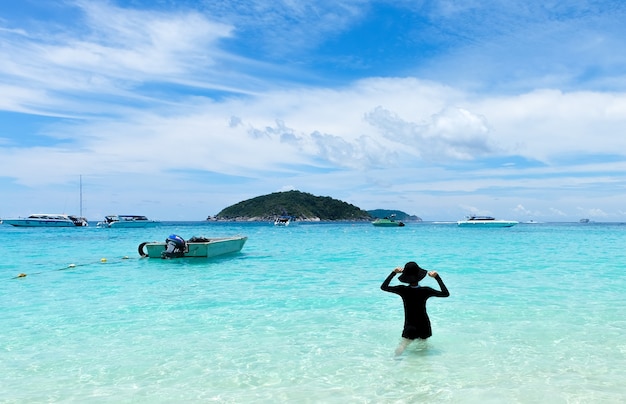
{"x":399,"y":215}
{"x":301,"y":206}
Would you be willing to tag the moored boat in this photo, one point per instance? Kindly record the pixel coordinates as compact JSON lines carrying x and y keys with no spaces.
{"x":79,"y":221}
{"x":282,"y":221}
{"x":387,"y":222}
{"x":196,"y":247}
{"x":127,"y":221}
{"x":48,"y":220}
{"x":485,"y":221}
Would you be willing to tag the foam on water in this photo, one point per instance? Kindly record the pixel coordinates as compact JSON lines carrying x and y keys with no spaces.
{"x":535,"y":312}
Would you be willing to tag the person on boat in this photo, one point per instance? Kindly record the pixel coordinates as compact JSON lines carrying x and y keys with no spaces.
{"x":414,"y":296}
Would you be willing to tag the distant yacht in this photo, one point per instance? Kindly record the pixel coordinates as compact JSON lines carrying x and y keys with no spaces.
{"x":48,"y":220}
{"x":127,"y":221}
{"x":485,"y":221}
{"x":283,"y":220}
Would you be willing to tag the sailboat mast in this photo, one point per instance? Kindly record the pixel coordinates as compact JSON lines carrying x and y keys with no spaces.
{"x":81,"y":196}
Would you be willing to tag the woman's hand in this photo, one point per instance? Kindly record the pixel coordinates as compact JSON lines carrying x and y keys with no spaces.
{"x":433,"y":274}
{"x":397,"y":270}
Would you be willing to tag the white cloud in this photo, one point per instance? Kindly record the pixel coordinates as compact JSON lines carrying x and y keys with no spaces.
{"x":202,"y":136}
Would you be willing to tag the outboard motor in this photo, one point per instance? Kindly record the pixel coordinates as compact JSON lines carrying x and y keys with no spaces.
{"x":174,"y":247}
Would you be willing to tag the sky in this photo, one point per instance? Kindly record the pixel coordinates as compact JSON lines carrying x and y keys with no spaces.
{"x":177,"y":109}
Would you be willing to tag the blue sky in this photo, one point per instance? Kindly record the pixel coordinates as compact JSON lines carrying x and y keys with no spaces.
{"x":178,"y":109}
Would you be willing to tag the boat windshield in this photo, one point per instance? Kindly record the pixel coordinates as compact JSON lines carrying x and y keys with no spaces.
{"x":481,"y":218}
{"x":132,"y":217}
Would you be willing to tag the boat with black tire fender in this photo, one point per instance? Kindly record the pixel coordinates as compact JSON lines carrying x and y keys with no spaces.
{"x":175,"y":246}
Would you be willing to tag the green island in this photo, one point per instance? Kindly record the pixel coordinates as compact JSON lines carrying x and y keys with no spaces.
{"x":301,"y":206}
{"x":397,"y":214}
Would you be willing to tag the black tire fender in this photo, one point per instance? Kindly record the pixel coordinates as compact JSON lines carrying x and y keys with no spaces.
{"x":140,"y":249}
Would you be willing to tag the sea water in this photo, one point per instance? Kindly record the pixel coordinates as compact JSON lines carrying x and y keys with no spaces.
{"x":536,"y":313}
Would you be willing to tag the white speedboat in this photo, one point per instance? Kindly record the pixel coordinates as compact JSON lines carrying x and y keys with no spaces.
{"x":196,"y":247}
{"x":127,"y":221}
{"x":282,"y":221}
{"x":485,"y":221}
{"x":48,"y":220}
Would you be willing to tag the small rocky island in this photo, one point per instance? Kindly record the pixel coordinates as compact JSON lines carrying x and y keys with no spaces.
{"x":301,"y":206}
{"x":396,"y":214}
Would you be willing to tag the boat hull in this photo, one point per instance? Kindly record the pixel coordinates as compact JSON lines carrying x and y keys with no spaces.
{"x":47,"y":220}
{"x":132,"y":224}
{"x":486,"y":223}
{"x":38,"y":223}
{"x":387,"y":223}
{"x":206,"y":249}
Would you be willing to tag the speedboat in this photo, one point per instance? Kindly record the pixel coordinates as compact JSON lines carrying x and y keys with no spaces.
{"x":485,"y":221}
{"x":48,"y":220}
{"x":79,"y":221}
{"x":387,"y":222}
{"x":127,"y":221}
{"x":282,"y":221}
{"x":196,"y":247}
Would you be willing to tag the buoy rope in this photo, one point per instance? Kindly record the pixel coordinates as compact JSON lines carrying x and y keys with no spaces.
{"x":70,"y":266}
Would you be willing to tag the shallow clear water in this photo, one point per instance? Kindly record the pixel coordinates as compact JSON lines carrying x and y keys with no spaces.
{"x":535,"y":312}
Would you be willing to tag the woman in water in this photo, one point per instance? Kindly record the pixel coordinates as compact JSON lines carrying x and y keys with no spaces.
{"x":414,"y":296}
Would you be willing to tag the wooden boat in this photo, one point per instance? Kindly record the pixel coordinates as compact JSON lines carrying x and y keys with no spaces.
{"x":195,"y":247}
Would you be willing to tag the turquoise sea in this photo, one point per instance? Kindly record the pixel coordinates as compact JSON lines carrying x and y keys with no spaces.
{"x":536,"y":314}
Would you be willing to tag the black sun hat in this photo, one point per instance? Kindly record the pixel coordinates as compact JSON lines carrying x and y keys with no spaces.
{"x":412,"y":273}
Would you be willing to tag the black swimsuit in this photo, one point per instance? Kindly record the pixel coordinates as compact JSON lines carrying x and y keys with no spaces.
{"x":416,"y":321}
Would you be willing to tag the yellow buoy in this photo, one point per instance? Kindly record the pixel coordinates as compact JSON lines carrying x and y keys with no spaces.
{"x":103,"y":260}
{"x":21,"y":275}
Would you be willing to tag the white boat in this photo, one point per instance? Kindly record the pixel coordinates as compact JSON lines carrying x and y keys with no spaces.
{"x":127,"y":221}
{"x":282,"y":221}
{"x":485,"y":221}
{"x":196,"y":247}
{"x":48,"y":220}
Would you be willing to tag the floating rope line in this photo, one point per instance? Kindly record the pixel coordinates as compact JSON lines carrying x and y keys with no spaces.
{"x":70,"y":266}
